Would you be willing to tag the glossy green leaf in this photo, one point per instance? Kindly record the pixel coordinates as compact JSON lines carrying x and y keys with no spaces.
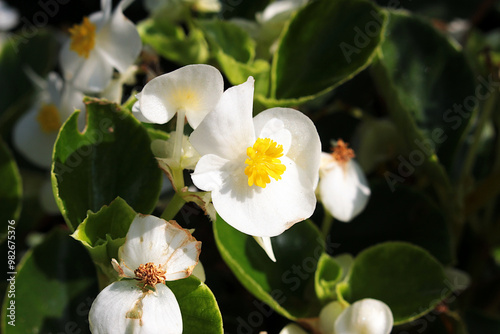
{"x":103,"y":232}
{"x":234,"y":50}
{"x":287,"y":285}
{"x":324,"y":45}
{"x":405,"y":277}
{"x":403,"y":215}
{"x":326,"y":277}
{"x":428,"y":86}
{"x":10,"y":189}
{"x":54,"y":288}
{"x":199,"y":309}
{"x":172,"y":43}
{"x":111,"y":158}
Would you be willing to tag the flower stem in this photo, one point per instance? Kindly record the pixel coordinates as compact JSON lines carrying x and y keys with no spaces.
{"x":173,"y":207}
{"x":327,"y":224}
{"x":179,"y":135}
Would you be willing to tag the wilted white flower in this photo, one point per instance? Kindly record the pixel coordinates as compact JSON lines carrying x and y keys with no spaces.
{"x":155,"y":251}
{"x":262,"y":172}
{"x":103,"y":41}
{"x":36,"y":131}
{"x":343,"y":187}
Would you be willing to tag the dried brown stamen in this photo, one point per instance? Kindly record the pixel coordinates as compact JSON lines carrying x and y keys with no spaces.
{"x":341,"y":152}
{"x":150,"y":274}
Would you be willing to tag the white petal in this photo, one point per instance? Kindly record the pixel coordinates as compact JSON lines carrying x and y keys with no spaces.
{"x":328,"y":315}
{"x":136,"y":111}
{"x":210,"y":172}
{"x":194,"y":88}
{"x":265,"y":212}
{"x":275,"y":130}
{"x":71,"y":99}
{"x":365,"y":316}
{"x":118,"y":41}
{"x":344,"y":190}
{"x":166,"y":244}
{"x":279,"y":10}
{"x":9,"y":17}
{"x":123,"y":308}
{"x":305,"y":148}
{"x":265,"y":243}
{"x":88,"y":74}
{"x":228,"y":131}
{"x":29,"y":139}
{"x":292,"y":329}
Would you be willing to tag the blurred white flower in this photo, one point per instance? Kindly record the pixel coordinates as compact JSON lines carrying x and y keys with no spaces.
{"x":155,"y":251}
{"x":114,"y":91}
{"x":9,"y":17}
{"x":103,"y":41}
{"x":364,"y":316}
{"x":262,"y":172}
{"x":36,"y":131}
{"x":343,"y":187}
{"x":192,"y":90}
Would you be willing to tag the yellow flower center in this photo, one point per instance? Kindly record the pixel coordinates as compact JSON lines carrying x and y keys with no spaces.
{"x":150,"y":274}
{"x":49,"y":118}
{"x":263,"y":162}
{"x":83,"y":37}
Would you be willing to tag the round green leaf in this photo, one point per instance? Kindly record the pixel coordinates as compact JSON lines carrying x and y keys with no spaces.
{"x":287,"y":285}
{"x":199,"y":309}
{"x":53,"y":289}
{"x":324,"y":45}
{"x":403,"y":215}
{"x":111,"y":158}
{"x":10,"y":189}
{"x":405,"y":277}
{"x":428,"y":86}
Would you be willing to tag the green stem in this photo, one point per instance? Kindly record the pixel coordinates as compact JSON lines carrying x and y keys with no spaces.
{"x":327,"y":224}
{"x":173,"y":207}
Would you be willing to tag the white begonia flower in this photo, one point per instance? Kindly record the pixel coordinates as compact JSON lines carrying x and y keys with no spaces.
{"x":9,"y":17}
{"x":103,"y":41}
{"x":292,"y":329}
{"x":240,"y":155}
{"x":36,"y":131}
{"x":155,"y":251}
{"x":192,"y":90}
{"x":343,"y":187}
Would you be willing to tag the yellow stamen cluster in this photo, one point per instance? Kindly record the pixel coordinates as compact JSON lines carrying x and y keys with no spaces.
{"x":150,"y":274}
{"x":342,"y":153}
{"x":83,"y":37}
{"x":49,"y":119}
{"x":263,"y":162}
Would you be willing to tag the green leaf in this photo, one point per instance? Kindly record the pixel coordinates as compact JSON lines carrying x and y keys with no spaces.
{"x":427,"y":84}
{"x":234,"y":50}
{"x":54,"y":288}
{"x":325,"y":44}
{"x":287,"y":285}
{"x":104,"y":232}
{"x":326,"y":277}
{"x":10,"y":189}
{"x":405,"y":277}
{"x":172,"y":43}
{"x":199,"y":309}
{"x":111,"y":158}
{"x":39,"y":52}
{"x":403,"y":215}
